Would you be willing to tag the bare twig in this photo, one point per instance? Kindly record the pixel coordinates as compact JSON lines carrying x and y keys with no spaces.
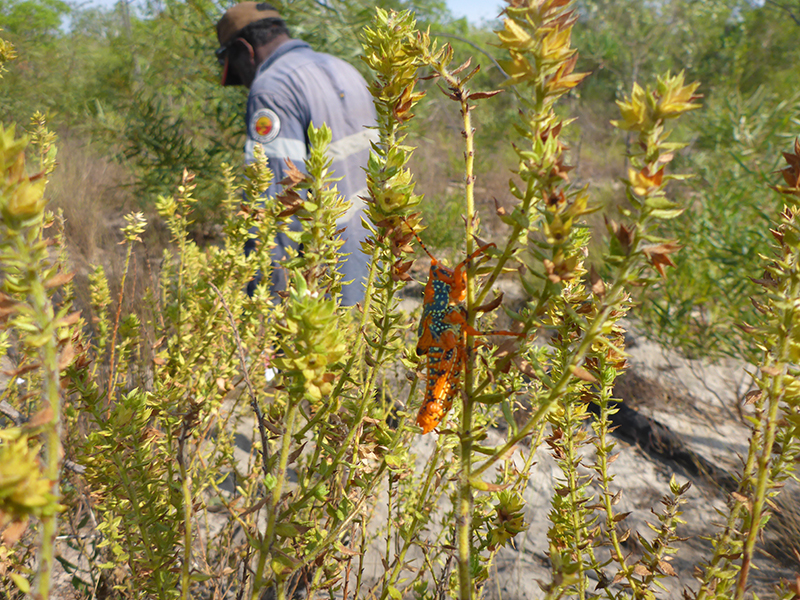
{"x":113,"y":346}
{"x":475,"y":47}
{"x":189,"y":421}
{"x":10,"y":412}
{"x":787,"y":10}
{"x":253,"y":401}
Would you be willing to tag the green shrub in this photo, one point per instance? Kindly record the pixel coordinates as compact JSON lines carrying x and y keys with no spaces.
{"x":153,"y":401}
{"x":725,"y":229}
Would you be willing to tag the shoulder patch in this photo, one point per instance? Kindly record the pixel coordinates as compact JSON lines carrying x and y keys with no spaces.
{"x":265,"y":126}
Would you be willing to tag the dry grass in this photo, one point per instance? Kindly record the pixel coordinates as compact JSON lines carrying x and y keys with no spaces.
{"x":91,"y":191}
{"x":88,"y":188}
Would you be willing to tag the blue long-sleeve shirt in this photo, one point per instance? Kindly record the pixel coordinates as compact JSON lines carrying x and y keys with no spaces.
{"x":297,"y":86}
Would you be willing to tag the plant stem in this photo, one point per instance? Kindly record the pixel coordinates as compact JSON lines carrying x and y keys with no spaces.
{"x":356,"y":355}
{"x":112,"y":376}
{"x":274,"y":500}
{"x":187,"y":516}
{"x":52,"y":395}
{"x":762,"y":473}
{"x":253,"y":399}
{"x":464,"y":508}
{"x":420,"y":510}
{"x":605,"y":491}
{"x":511,"y":245}
{"x":575,"y":505}
{"x":722,"y":547}
{"x":556,"y":391}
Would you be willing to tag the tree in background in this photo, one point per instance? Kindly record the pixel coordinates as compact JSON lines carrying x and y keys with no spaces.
{"x":32,"y":20}
{"x":788,"y":8}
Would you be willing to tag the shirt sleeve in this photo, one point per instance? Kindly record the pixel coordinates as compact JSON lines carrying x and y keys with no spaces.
{"x":279,"y":127}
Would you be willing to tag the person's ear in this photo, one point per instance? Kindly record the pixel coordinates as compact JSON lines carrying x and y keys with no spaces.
{"x":248,"y":47}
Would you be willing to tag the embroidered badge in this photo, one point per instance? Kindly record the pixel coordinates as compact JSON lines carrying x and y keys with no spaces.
{"x":266,"y":126}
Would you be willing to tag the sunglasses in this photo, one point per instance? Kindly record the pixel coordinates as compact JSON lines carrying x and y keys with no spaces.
{"x":229,"y":75}
{"x":222,"y":55}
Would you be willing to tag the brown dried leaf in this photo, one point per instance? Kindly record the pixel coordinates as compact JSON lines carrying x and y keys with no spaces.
{"x":583,"y":374}
{"x":506,"y":347}
{"x":620,"y":517}
{"x":295,"y":453}
{"x":70,"y":319}
{"x":13,"y":532}
{"x":765,"y":281}
{"x":290,"y":211}
{"x":746,"y":327}
{"x":598,"y":287}
{"x":762,"y":308}
{"x":482,"y":95}
{"x":41,"y":417}
{"x":347,"y":551}
{"x":483,"y":486}
{"x":666,"y":568}
{"x":58,"y":280}
{"x":293,"y":175}
{"x":753,"y":396}
{"x":482,"y":243}
{"x":7,"y":305}
{"x":490,"y":306}
{"x":272,"y":428}
{"x":658,"y":255}
{"x":602,"y":581}
{"x":526,"y":368}
{"x":66,"y":357}
{"x":795,"y":586}
{"x":22,"y":370}
{"x":623,"y":233}
{"x":400,"y":270}
{"x":462,"y":66}
{"x":641,"y":570}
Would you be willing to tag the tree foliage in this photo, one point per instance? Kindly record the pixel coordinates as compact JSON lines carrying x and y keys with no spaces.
{"x":33,"y":20}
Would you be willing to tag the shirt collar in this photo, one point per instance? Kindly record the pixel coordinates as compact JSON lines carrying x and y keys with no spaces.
{"x":280,"y":51}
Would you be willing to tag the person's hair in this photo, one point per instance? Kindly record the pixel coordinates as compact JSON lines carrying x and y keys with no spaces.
{"x":257,"y":34}
{"x":263,"y":32}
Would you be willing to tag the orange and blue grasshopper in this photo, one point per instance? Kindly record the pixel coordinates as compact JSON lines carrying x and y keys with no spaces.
{"x":442,"y":336}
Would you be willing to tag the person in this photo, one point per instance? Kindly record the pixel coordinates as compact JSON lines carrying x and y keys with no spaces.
{"x":292,"y":86}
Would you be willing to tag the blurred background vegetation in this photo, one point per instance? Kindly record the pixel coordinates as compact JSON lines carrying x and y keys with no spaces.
{"x":133,"y":92}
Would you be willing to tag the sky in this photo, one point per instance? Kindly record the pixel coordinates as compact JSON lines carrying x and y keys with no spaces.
{"x":475,"y":10}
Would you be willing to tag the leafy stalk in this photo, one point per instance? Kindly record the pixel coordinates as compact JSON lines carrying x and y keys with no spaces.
{"x":775,"y":401}
{"x":30,"y":278}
